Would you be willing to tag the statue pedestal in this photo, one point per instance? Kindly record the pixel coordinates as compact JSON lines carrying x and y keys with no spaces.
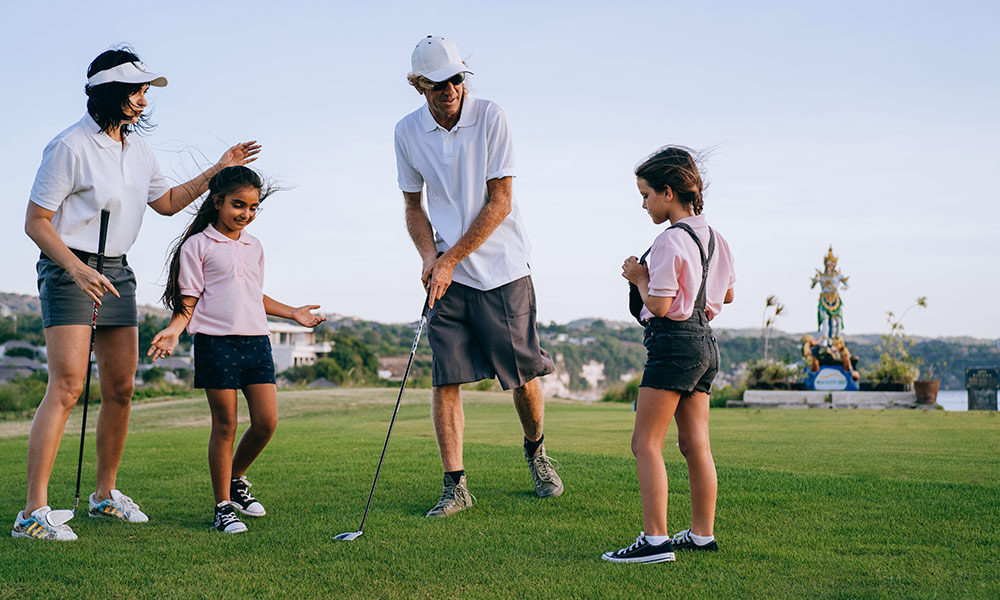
{"x":831,"y":378}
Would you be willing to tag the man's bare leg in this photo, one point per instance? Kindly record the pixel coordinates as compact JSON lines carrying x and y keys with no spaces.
{"x":530,"y":406}
{"x":449,"y":423}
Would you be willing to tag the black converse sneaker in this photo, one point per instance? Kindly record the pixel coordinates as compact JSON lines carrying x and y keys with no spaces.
{"x":226,"y":520}
{"x":683,"y":541}
{"x":642,"y":552}
{"x":239,"y":491}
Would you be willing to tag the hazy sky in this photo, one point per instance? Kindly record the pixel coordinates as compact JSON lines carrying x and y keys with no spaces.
{"x":871,"y":126}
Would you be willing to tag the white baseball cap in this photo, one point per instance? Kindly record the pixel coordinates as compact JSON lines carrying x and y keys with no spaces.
{"x":130,"y":72}
{"x":437,"y":59}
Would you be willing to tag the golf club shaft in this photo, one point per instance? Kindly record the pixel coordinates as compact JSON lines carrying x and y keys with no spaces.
{"x":102,"y":240}
{"x":406,"y":374}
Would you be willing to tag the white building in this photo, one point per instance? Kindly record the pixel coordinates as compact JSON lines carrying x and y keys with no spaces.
{"x":294,"y":345}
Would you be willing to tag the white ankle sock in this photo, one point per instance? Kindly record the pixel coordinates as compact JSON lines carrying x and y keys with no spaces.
{"x":701,"y":540}
{"x":656,"y":540}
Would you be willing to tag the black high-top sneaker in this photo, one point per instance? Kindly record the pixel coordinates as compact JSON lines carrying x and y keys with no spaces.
{"x":239,"y":491}
{"x":226,"y":520}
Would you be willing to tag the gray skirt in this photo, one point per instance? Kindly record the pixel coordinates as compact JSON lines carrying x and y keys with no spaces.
{"x":64,"y":303}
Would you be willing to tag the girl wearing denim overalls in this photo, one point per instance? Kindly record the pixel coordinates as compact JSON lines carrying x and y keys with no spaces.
{"x":679,"y":285}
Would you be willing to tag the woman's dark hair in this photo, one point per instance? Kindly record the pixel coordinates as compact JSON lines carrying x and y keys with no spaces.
{"x":224,"y":183}
{"x":674,"y":167}
{"x":106,"y":102}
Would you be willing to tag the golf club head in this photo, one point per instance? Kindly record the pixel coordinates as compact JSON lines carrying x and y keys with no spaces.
{"x":58,"y":517}
{"x":348,"y":536}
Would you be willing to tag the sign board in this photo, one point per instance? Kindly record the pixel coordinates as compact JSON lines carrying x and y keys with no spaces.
{"x":830,"y":380}
{"x":982,"y":384}
{"x":982,"y":378}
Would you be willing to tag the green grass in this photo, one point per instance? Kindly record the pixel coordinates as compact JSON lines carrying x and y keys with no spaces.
{"x":812,"y":504}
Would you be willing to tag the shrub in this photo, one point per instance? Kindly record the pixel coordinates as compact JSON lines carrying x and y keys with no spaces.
{"x":21,"y":394}
{"x":153,"y":374}
{"x":724,"y":394}
{"x":623,"y":392}
{"x":22,"y":352}
{"x":769,"y":375}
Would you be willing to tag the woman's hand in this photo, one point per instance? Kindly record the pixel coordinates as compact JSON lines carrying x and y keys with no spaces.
{"x":92,"y":283}
{"x":303,"y":316}
{"x":239,"y":155}
{"x":163,"y":344}
{"x":633,"y":271}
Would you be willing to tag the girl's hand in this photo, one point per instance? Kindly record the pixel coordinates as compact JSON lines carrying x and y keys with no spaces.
{"x":239,"y":155}
{"x":93,"y":283}
{"x":303,"y":316}
{"x":163,"y":344}
{"x":635,"y":272}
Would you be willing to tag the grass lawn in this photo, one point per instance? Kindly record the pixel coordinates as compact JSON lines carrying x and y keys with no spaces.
{"x":812,"y":504}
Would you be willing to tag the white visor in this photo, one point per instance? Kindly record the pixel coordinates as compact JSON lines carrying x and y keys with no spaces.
{"x":130,"y":72}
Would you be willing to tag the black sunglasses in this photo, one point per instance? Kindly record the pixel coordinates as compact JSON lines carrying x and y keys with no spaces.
{"x":437,"y":86}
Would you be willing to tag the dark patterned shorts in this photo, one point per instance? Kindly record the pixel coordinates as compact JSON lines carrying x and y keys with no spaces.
{"x":232,"y":362}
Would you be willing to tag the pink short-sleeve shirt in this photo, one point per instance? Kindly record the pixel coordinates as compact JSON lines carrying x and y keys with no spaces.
{"x":227,"y":277}
{"x":675,"y":270}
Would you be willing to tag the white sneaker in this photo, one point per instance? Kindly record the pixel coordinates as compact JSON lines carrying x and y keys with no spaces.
{"x":118,"y":506}
{"x":41,"y":524}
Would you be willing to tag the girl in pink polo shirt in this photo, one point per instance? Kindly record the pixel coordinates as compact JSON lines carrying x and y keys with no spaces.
{"x":215,"y":289}
{"x":677,"y":287}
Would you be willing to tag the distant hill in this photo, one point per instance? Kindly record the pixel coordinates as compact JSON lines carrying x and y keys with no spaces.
{"x":590,"y":353}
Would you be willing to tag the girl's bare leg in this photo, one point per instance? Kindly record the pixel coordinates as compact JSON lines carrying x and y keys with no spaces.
{"x":263,"y":401}
{"x":220,"y":444}
{"x":692,"y":437}
{"x":654,"y":410}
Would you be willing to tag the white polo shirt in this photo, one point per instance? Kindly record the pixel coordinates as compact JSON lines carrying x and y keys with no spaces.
{"x":83,"y":171}
{"x":455,"y":165}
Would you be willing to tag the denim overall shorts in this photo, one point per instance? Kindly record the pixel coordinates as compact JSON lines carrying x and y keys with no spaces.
{"x":681,"y":356}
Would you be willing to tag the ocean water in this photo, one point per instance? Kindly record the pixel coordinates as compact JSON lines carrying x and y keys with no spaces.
{"x":954,"y":400}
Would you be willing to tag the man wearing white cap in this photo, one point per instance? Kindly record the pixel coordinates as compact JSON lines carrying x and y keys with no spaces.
{"x":475,"y":260}
{"x":96,"y":164}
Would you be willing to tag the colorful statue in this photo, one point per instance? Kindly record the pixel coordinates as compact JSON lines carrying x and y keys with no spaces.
{"x":829,"y":367}
{"x":830,"y":310}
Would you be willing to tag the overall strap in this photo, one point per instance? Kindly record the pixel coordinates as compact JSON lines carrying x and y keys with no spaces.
{"x":699,"y":303}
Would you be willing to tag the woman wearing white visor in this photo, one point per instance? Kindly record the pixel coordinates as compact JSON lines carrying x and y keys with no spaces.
{"x":96,"y":164}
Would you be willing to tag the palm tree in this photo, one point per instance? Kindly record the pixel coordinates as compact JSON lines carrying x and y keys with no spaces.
{"x":768,"y":320}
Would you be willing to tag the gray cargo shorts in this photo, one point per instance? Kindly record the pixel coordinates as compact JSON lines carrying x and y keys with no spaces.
{"x":64,"y":303}
{"x":477,"y":334}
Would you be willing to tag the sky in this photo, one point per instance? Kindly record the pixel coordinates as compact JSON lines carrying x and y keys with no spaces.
{"x":869,"y":126}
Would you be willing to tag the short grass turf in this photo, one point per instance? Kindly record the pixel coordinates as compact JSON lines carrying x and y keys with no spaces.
{"x":812,"y":504}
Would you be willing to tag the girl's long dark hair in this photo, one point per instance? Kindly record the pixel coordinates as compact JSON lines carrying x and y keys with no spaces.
{"x":106,"y":102}
{"x":227,"y":181}
{"x":677,"y":168}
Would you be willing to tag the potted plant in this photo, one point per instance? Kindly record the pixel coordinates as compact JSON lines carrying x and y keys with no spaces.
{"x":927,"y":388}
{"x":896,"y":369}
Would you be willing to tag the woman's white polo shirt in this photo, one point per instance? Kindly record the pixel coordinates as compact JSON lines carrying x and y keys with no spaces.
{"x":83,"y":171}
{"x":455,"y":166}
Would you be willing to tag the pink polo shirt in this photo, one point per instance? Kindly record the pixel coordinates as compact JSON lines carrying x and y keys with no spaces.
{"x":227,"y":277}
{"x":675,"y":270}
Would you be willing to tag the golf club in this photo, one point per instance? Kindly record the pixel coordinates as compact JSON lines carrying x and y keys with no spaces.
{"x":60,"y":516}
{"x":350,"y":535}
